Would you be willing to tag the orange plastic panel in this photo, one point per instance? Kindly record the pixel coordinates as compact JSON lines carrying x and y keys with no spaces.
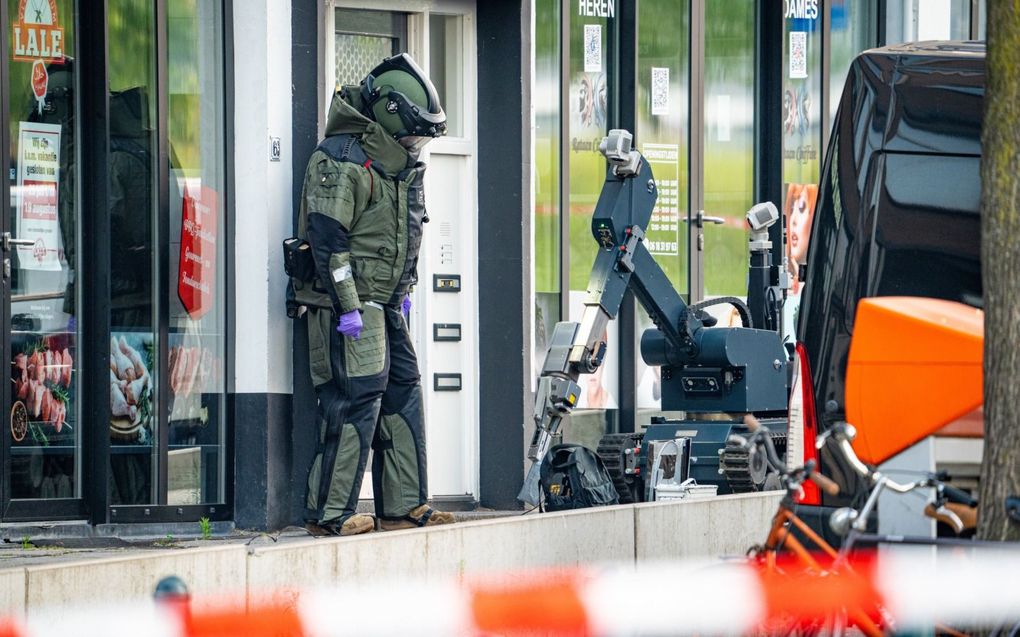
{"x":915,"y":365}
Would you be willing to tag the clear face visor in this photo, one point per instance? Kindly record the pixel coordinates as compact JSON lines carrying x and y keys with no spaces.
{"x":405,"y":62}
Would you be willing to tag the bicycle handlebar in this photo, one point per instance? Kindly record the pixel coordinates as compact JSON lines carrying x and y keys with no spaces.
{"x":825,"y":484}
{"x":844,"y":435}
{"x":959,"y":496}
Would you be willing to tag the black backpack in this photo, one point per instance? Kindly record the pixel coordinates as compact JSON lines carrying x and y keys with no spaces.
{"x":574,"y":477}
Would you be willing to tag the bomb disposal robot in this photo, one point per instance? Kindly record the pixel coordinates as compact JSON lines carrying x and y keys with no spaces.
{"x":724,"y":371}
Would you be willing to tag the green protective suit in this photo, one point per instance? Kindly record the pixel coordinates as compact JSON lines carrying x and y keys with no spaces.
{"x":362,"y":211}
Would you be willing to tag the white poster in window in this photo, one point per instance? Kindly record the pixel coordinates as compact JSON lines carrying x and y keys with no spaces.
{"x":798,"y":55}
{"x":38,"y":191}
{"x":660,"y":91}
{"x":593,"y":48}
{"x":662,"y":236}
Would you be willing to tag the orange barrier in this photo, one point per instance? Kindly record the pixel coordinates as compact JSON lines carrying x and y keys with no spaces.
{"x":914,"y":366}
{"x":908,"y":589}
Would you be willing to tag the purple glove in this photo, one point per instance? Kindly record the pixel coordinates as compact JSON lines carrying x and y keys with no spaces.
{"x":350,"y":324}
{"x":405,"y":306}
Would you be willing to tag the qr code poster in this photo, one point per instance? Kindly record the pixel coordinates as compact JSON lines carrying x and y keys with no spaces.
{"x":660,"y":91}
{"x":593,"y":48}
{"x":798,"y":55}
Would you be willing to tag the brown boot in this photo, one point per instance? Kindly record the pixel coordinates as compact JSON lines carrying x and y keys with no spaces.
{"x":423,"y":515}
{"x":355,"y":525}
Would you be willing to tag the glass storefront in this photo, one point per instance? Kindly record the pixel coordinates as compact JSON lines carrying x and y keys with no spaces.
{"x":546,"y":98}
{"x":573,"y":112}
{"x":46,"y":431}
{"x":728,"y":142}
{"x":663,"y":123}
{"x":196,"y":290}
{"x":591,"y":81}
{"x":664,"y":70}
{"x":165,"y":229}
{"x":134,"y":376}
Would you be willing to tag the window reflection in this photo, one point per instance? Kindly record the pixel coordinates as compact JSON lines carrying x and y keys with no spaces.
{"x":591,"y":82}
{"x":729,"y":145}
{"x":40,"y":89}
{"x":195,"y":384}
{"x":546,"y":97}
{"x":133,"y":319}
{"x":172,"y":284}
{"x":663,"y":121}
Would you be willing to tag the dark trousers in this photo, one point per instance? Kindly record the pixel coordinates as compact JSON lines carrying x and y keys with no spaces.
{"x":374,"y":400}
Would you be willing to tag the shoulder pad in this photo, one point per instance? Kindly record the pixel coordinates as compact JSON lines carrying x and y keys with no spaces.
{"x":344,"y":148}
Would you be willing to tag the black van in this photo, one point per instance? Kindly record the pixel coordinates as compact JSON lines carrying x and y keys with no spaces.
{"x":897,"y":214}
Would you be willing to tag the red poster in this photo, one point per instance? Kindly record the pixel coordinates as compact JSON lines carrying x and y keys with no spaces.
{"x":196,"y":276}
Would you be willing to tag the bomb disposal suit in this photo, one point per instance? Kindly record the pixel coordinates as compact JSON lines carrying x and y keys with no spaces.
{"x":361,"y":217}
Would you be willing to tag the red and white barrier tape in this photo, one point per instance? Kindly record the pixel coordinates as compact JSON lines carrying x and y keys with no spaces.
{"x":964,"y":589}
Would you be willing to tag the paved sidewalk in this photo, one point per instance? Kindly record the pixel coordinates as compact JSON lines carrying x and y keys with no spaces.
{"x":35,"y":544}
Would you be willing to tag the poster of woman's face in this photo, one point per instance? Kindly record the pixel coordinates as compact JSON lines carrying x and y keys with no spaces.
{"x":798,"y":212}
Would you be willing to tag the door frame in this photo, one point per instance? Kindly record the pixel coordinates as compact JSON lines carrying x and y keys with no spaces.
{"x":465,"y":145}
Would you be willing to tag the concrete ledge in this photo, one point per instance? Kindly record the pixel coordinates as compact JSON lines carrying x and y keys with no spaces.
{"x":279,"y":570}
{"x":716,"y":527}
{"x":209,"y":572}
{"x":534,"y":540}
{"x":550,"y":539}
{"x":12,"y":591}
{"x":727,"y":525}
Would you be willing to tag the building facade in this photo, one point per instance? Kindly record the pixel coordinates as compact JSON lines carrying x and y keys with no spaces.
{"x":156,"y":153}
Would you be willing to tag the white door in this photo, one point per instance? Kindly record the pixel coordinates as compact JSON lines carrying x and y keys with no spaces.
{"x":444,"y":321}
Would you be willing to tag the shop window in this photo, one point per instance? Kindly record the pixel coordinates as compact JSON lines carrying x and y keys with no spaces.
{"x":546,"y":97}
{"x":728,"y":144}
{"x":852,"y":31}
{"x":446,"y":59}
{"x":195,"y":382}
{"x":168,"y":258}
{"x":663,"y":117}
{"x":134,"y":375}
{"x":663,"y":122}
{"x":802,"y":138}
{"x":915,"y":20}
{"x":591,"y":82}
{"x":41,"y":89}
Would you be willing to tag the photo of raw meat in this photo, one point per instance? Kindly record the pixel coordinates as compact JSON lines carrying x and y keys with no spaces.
{"x":41,"y":378}
{"x":130,"y":386}
{"x":191,"y":370}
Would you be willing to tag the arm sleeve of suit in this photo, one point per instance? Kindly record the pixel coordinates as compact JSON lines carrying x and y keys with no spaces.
{"x":334,"y":197}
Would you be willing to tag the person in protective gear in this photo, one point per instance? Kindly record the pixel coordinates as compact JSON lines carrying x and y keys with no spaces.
{"x":361,"y":214}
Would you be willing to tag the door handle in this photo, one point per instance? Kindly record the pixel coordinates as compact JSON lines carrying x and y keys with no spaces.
{"x":701,"y":219}
{"x":9,"y":241}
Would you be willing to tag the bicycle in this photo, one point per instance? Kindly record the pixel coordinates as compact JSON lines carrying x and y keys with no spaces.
{"x":950,"y":505}
{"x":781,"y":534}
{"x":947,"y":505}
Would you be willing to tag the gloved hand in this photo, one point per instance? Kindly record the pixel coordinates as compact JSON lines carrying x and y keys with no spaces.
{"x":405,"y":306}
{"x":350,"y":324}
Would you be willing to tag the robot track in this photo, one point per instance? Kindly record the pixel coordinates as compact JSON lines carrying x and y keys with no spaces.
{"x":613,"y":450}
{"x":749,"y":472}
